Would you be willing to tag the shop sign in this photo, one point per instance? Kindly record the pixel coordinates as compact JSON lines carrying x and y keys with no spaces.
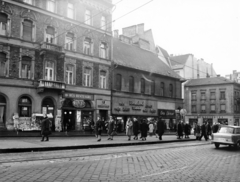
{"x":166,"y":113}
{"x":103,"y":104}
{"x":78,"y":96}
{"x":79,"y":103}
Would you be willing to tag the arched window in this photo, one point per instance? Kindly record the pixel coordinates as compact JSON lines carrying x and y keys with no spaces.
{"x":26,"y":67}
{"x":170,"y":90}
{"x":131,"y":84}
{"x":70,"y":41}
{"x":118,"y":82}
{"x":25,"y":106}
{"x":27,"y":30}
{"x":142,"y":85}
{"x":162,"y":89}
{"x":50,"y":34}
{"x":3,"y":64}
{"x":153,"y":87}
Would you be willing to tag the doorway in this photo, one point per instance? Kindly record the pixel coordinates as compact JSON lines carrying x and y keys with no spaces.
{"x":103,"y":114}
{"x":68,"y":120}
{"x":2,"y":111}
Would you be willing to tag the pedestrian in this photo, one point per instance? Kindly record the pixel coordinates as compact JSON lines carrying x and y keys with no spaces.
{"x":160,"y":128}
{"x":208,"y":130}
{"x":45,"y":128}
{"x":215,"y":128}
{"x":180,"y":130}
{"x":151,"y":128}
{"x":135,"y":128}
{"x":197,"y":131}
{"x":129,"y":128}
{"x":187,"y":130}
{"x":204,"y":132}
{"x":111,"y":128}
{"x":99,"y":128}
{"x":144,"y":129}
{"x":155,"y":131}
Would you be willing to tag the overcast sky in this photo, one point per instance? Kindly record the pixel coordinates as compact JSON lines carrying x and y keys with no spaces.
{"x":208,"y":29}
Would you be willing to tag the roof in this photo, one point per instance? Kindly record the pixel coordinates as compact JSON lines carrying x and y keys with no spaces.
{"x":208,"y":81}
{"x":164,"y":52}
{"x":179,"y":60}
{"x":137,"y":58}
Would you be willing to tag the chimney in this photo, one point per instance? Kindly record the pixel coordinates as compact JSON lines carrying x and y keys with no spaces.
{"x":140,"y":29}
{"x":115,"y":33}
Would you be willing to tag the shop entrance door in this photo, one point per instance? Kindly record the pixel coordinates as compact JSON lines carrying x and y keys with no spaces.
{"x":103,"y":114}
{"x":2,"y":112}
{"x":68,"y":120}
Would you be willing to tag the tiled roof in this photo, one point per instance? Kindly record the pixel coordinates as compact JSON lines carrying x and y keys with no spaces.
{"x":208,"y":81}
{"x":179,"y":60}
{"x":137,"y":58}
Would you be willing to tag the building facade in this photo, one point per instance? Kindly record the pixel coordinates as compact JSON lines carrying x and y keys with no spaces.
{"x":213,"y":100}
{"x":55,"y":58}
{"x":235,"y":76}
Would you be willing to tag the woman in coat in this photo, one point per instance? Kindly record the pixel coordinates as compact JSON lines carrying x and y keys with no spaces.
{"x":180,"y":130}
{"x":135,"y":128}
{"x":99,"y":128}
{"x":129,"y":128}
{"x":160,"y":128}
{"x":144,"y":129}
{"x":197,"y":131}
{"x":111,"y":128}
{"x":45,"y":128}
{"x":187,"y":130}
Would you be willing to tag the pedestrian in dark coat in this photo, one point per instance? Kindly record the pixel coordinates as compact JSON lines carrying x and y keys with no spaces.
{"x":208,"y":130}
{"x":45,"y":128}
{"x":204,"y":132}
{"x":144,"y":129}
{"x":111,"y":128}
{"x":187,"y":130}
{"x":160,"y":128}
{"x":180,"y":130}
{"x":99,"y":128}
{"x":215,"y":128}
{"x":135,"y":128}
{"x":129,"y":128}
{"x":197,"y":131}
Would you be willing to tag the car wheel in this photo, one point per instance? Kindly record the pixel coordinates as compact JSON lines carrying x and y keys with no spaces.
{"x":217,"y":145}
{"x":237,"y":145}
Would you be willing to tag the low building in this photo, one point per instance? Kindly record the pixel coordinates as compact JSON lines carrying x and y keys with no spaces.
{"x":212,"y":100}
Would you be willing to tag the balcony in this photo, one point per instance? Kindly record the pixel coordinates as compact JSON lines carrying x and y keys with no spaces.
{"x":52,"y":47}
{"x":49,"y":84}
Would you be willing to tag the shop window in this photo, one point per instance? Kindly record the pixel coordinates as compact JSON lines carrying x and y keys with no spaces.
{"x":69,"y":74}
{"x":212,"y":95}
{"x":203,"y":108}
{"x":213,"y":108}
{"x":25,"y":107}
{"x":27,"y":30}
{"x":222,"y":108}
{"x":70,"y":42}
{"x":2,"y":109}
{"x":26,"y":67}
{"x":153,"y":87}
{"x":3,"y":64}
{"x":103,"y":79}
{"x":50,"y":35}
{"x":70,"y":10}
{"x":194,"y":96}
{"x":51,"y":5}
{"x":222,"y":95}
{"x":88,"y":17}
{"x":170,"y":90}
{"x":103,"y":50}
{"x":103,"y":23}
{"x":131,"y":84}
{"x":142,"y":85}
{"x":194,"y":108}
{"x":49,"y":70}
{"x":87,"y":77}
{"x":162,"y":87}
{"x":119,"y":82}
{"x":203,"y":96}
{"x":3,"y":24}
{"x":87,"y":46}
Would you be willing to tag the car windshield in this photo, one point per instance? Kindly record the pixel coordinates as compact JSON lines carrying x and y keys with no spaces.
{"x":226,"y":130}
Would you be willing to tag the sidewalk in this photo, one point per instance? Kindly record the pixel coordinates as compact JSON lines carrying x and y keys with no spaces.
{"x":30,"y":144}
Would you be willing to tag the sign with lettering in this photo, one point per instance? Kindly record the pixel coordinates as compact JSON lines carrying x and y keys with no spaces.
{"x":79,"y":103}
{"x":166,"y":114}
{"x":78,"y":96}
{"x":103,"y":104}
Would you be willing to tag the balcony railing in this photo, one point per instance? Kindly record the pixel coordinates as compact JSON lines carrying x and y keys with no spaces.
{"x":52,"y":47}
{"x":52,"y":84}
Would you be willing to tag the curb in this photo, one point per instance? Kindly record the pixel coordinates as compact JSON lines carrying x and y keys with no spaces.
{"x":42,"y":149}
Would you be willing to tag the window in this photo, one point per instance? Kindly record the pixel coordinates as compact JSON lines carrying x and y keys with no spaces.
{"x":103,"y":23}
{"x":103,"y":50}
{"x":69,"y":42}
{"x":131,"y":84}
{"x":162,"y":89}
{"x":50,"y":32}
{"x":88,"y":17}
{"x":170,"y":90}
{"x":70,"y":11}
{"x":194,"y":96}
{"x":27,"y":30}
{"x":3,"y":64}
{"x":51,"y":5}
{"x":28,"y":1}
{"x":222,"y":108}
{"x":222,"y":95}
{"x":226,"y":130}
{"x":87,"y":77}
{"x":24,"y":106}
{"x":69,"y":74}
{"x":152,"y":87}
{"x":213,"y":108}
{"x":203,"y":108}
{"x":26,"y":67}
{"x":142,"y":85}
{"x":118,"y":82}
{"x":49,"y":70}
{"x":203,"y":96}
{"x":103,"y":79}
{"x":194,"y":109}
{"x":3,"y":24}
{"x":212,"y":95}
{"x":87,"y":46}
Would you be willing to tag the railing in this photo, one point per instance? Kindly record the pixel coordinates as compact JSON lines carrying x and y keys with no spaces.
{"x":52,"y":84}
{"x":52,"y":47}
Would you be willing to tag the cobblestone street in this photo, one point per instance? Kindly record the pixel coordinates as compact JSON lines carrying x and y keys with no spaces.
{"x":188,"y":163}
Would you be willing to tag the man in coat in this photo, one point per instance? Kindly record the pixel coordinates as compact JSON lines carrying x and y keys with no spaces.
{"x":144,"y":129}
{"x":99,"y":128}
{"x":204,"y":132}
{"x":45,"y":128}
{"x":180,"y":130}
{"x":160,"y":128}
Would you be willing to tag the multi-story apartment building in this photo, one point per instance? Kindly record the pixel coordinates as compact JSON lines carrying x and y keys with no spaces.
{"x":235,"y":76}
{"x":212,"y":100}
{"x":55,"y":58}
{"x":143,"y":85}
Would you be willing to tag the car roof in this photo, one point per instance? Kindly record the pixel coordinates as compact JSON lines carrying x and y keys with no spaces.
{"x":230,"y":126}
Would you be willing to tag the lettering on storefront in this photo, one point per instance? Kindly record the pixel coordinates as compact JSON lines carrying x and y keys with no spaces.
{"x":136,"y":108}
{"x":117,"y":109}
{"x":152,"y":111}
{"x":78,"y":96}
{"x":79,"y":103}
{"x":121,"y":104}
{"x":138,"y":103}
{"x":148,"y":106}
{"x":167,"y":114}
{"x":145,"y":110}
{"x":126,"y":109}
{"x":103,"y":104}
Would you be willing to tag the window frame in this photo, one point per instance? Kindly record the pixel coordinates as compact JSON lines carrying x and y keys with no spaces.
{"x":70,"y":41}
{"x":73,"y":11}
{"x":87,"y":77}
{"x":131,"y":84}
{"x":6,"y":65}
{"x":203,"y":95}
{"x":211,"y":110}
{"x":142,"y":86}
{"x":27,"y":105}
{"x":47,"y":71}
{"x":171,"y":90}
{"x":222,"y":111}
{"x":103,"y":22}
{"x":203,"y":108}
{"x":105,"y":48}
{"x":7,"y":25}
{"x":118,"y":82}
{"x":162,"y":89}
{"x":86,"y":44}
{"x":49,"y":36}
{"x":33,"y":30}
{"x":68,"y":73}
{"x":222,"y":95}
{"x":29,"y":75}
{"x":194,"y":108}
{"x":54,"y":2}
{"x":212,"y":95}
{"x":103,"y":79}
{"x":88,"y":17}
{"x":32,"y":2}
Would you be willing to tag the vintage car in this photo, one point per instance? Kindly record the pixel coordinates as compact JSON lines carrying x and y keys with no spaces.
{"x":227,"y":135}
